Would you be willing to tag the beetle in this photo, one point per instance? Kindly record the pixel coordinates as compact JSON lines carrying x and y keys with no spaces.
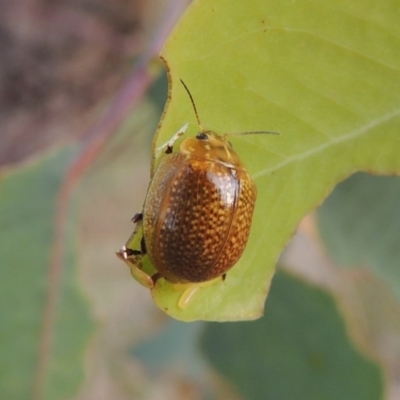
{"x":197,"y":213}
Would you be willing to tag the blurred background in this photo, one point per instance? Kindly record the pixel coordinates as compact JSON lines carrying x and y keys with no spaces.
{"x":81,"y":94}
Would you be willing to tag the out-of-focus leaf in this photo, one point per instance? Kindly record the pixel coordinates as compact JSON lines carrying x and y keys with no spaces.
{"x":27,"y":211}
{"x":299,"y":350}
{"x":175,"y":345}
{"x":360,"y":225}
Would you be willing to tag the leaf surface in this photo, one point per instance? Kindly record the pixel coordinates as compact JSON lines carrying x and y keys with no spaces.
{"x":324,"y":75}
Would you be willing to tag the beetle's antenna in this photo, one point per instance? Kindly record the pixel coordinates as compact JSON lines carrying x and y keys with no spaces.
{"x":253,"y":133}
{"x":229,"y":134}
{"x":194,"y":105}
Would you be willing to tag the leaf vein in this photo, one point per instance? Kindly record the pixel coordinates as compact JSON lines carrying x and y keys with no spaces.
{"x":335,"y":141}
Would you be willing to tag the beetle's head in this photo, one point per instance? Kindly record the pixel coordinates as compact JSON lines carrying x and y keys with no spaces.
{"x":207,"y":145}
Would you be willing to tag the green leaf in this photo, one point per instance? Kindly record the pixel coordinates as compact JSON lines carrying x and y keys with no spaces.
{"x":37,"y":360}
{"x":326,"y":75}
{"x":176,"y":344}
{"x":360,"y":226}
{"x":299,"y":350}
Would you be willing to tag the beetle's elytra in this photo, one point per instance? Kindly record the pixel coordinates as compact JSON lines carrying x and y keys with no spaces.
{"x":198,"y":210}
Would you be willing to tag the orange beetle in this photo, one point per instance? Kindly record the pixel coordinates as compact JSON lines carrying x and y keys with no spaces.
{"x":198,"y":210}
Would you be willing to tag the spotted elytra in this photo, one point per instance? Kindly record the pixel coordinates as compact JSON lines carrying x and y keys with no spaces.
{"x":197,"y":213}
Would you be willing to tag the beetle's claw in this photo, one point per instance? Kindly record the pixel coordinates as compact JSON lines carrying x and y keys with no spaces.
{"x":126,"y":253}
{"x":123,"y":253}
{"x":137,"y":218}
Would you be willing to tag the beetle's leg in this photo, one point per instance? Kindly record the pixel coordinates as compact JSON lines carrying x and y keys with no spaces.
{"x":155,"y":277}
{"x":168,"y":147}
{"x":189,"y":290}
{"x":128,"y":255}
{"x":143,"y":246}
{"x":188,"y":295}
{"x":137,"y":218}
{"x":134,"y":252}
{"x":127,"y":251}
{"x":223,"y":277}
{"x":133,"y":259}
